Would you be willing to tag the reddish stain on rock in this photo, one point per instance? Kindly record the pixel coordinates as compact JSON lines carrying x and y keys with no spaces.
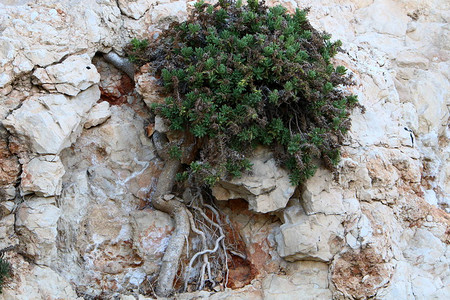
{"x":360,"y":273}
{"x":126,"y":85}
{"x":112,"y":98}
{"x":123,"y":89}
{"x":9,"y":165}
{"x":241,"y":272}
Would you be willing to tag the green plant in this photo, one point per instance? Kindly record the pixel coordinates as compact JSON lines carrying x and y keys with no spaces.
{"x":5,"y":272}
{"x":236,"y":77}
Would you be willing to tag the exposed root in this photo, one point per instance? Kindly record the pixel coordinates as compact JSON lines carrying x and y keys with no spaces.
{"x":178,"y":211}
{"x":214,"y":258}
{"x":203,"y":219}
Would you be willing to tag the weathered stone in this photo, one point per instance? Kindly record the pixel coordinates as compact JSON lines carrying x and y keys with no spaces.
{"x":174,"y":11}
{"x":360,"y":273}
{"x":311,"y":287}
{"x":36,"y":282}
{"x":98,"y":114}
{"x":9,"y":164}
{"x":151,"y":234}
{"x":6,"y":208}
{"x":383,"y":215}
{"x":36,"y":222}
{"x":50,"y":123}
{"x":267,"y":189}
{"x":135,"y":8}
{"x":76,"y":73}
{"x":318,"y":197}
{"x":42,"y":176}
{"x":147,"y":86}
{"x":316,"y":237}
{"x":8,"y":235}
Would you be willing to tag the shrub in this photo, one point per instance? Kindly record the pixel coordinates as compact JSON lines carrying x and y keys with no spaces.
{"x":5,"y":270}
{"x":236,"y":77}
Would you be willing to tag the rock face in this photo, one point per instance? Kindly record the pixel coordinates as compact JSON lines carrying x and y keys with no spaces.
{"x":43,"y":176}
{"x":78,"y":170}
{"x":76,"y":73}
{"x":51,"y":122}
{"x":267,"y":189}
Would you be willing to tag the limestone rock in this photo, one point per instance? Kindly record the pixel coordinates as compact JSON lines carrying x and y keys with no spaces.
{"x":360,"y":273}
{"x":36,"y":223}
{"x":6,"y":208}
{"x":135,"y":8}
{"x":379,"y":226}
{"x":9,"y":164}
{"x":8,"y":235}
{"x":319,"y":197}
{"x":36,"y":282}
{"x":76,"y":73}
{"x":147,"y":87}
{"x":317,"y":237}
{"x":98,"y":114}
{"x":42,"y":176}
{"x":50,"y":123}
{"x":267,"y":189}
{"x":151,"y":234}
{"x":173,"y":11}
{"x":304,"y":280}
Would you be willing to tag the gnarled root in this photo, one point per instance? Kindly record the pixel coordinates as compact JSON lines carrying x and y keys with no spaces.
{"x":178,"y":211}
{"x":169,"y":267}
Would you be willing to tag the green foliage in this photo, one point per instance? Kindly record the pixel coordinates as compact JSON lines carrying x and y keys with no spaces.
{"x":5,"y":271}
{"x":237,"y":76}
{"x":175,"y":152}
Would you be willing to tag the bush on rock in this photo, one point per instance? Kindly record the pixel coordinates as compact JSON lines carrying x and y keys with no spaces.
{"x":236,"y":76}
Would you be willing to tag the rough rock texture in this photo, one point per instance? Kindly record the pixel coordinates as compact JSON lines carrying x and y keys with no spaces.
{"x":42,"y":176}
{"x":76,"y":73}
{"x":51,"y":122}
{"x":77,"y":169}
{"x":267,"y":189}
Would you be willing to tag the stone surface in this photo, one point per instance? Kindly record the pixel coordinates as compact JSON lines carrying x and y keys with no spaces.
{"x":267,"y":189}
{"x":36,"y":223}
{"x":76,"y":73}
{"x":305,"y":280}
{"x":147,"y":86}
{"x":49,"y":123}
{"x":99,"y":113}
{"x":377,"y":227}
{"x":36,"y":282}
{"x":302,"y":237}
{"x":151,"y":232}
{"x":135,"y":8}
{"x":42,"y":176}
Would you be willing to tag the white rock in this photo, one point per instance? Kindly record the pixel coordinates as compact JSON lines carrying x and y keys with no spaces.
{"x":38,"y":282}
{"x":430,"y":94}
{"x":135,"y":8}
{"x":76,"y":73}
{"x":352,"y":241}
{"x":267,"y":189}
{"x":50,"y":123}
{"x":42,"y":176}
{"x":161,"y":125}
{"x":174,"y":11}
{"x":6,"y":207}
{"x":8,"y":235}
{"x":98,"y":114}
{"x":394,"y":23}
{"x":151,"y":234}
{"x":430,"y":197}
{"x":36,"y":224}
{"x":315,"y":237}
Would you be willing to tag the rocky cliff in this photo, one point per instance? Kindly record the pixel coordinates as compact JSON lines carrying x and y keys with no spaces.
{"x":77,"y":166}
